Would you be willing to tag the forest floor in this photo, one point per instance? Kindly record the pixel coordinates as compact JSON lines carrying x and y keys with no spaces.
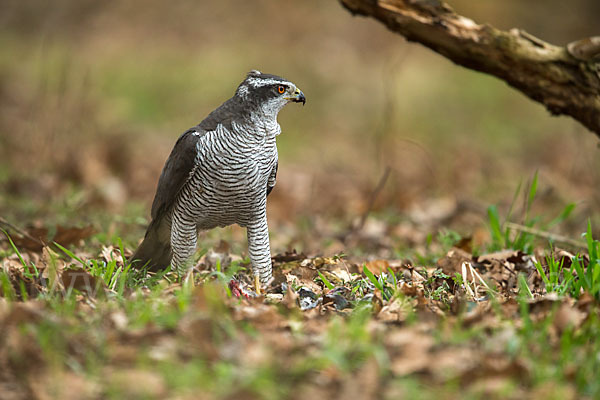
{"x":511,"y":313}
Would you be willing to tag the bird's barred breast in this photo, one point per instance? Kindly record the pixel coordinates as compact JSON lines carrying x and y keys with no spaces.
{"x":229,"y":183}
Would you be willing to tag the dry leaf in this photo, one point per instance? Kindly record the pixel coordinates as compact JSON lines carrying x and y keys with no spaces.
{"x":378,"y":266}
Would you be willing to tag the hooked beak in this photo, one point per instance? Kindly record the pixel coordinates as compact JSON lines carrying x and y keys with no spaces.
{"x":298,"y":97}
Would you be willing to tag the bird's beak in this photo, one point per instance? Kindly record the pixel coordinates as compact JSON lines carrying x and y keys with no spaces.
{"x":298,"y":97}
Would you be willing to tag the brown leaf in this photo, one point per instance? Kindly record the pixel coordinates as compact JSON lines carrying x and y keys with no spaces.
{"x":499,"y":255}
{"x":568,"y":316}
{"x":82,"y":281}
{"x":364,"y":384}
{"x":137,"y":383}
{"x":34,"y":240}
{"x":413,"y":349}
{"x":378,"y":266}
{"x":199,"y":332}
{"x":64,"y":386}
{"x":51,"y":267}
{"x":290,"y":300}
{"x":72,"y":235}
{"x":377,"y":301}
{"x":465,"y":244}
{"x":453,"y":261}
{"x":27,"y":312}
{"x":396,"y":310}
{"x":453,"y":362}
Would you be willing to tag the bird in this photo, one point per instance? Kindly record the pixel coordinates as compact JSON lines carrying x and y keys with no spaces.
{"x":219,"y":173}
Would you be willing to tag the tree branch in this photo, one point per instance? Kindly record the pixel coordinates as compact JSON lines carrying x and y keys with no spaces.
{"x":551,"y":75}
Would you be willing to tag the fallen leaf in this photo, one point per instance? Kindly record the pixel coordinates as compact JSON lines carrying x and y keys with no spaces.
{"x":82,"y":281}
{"x":568,"y":316}
{"x":378,"y":266}
{"x":72,"y":235}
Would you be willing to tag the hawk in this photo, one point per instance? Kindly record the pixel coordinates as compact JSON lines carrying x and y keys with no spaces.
{"x":220,"y":173}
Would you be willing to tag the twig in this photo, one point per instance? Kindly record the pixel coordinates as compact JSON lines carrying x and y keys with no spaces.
{"x":466,"y":281}
{"x":474,"y":292}
{"x":547,"y":235}
{"x":373,"y":197}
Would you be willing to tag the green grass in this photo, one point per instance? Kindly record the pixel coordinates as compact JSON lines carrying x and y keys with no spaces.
{"x":503,"y":236}
{"x":81,"y":342}
{"x":188,"y":337}
{"x":581,"y":276}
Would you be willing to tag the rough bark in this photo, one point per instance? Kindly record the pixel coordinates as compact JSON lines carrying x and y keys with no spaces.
{"x":546,"y":73}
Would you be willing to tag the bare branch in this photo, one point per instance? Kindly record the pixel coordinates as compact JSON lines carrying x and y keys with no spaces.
{"x":546,"y":73}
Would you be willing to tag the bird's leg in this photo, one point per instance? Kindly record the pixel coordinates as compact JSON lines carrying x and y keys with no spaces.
{"x":259,"y":250}
{"x":183,"y":242}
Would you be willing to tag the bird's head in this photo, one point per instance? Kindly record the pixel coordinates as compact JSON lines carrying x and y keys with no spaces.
{"x":268,"y":92}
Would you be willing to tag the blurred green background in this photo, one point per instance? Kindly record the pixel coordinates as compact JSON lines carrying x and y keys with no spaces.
{"x":94,"y":94}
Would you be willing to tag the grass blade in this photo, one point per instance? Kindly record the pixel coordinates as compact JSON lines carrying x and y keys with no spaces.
{"x":496,"y":231}
{"x":325,"y":281}
{"x":590,"y":243}
{"x":8,"y":292}
{"x":394,"y":280}
{"x":524,"y":287}
{"x":566,"y":213}
{"x":15,"y":249}
{"x":514,"y":201}
{"x":532,"y":192}
{"x":69,"y":253}
{"x":372,"y":278}
{"x":538,"y":266}
{"x":583,"y":279}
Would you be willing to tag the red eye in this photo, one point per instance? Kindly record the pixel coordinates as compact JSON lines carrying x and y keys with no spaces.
{"x":280,"y":89}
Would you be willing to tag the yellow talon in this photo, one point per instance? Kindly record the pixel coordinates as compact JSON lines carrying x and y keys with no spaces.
{"x":257,"y":284}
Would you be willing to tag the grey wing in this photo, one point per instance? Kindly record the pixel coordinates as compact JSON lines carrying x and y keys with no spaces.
{"x":182,"y":160}
{"x":176,"y":172}
{"x":272,"y":178}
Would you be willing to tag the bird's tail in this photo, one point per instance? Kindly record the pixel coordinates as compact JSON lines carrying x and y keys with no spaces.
{"x":155,"y":250}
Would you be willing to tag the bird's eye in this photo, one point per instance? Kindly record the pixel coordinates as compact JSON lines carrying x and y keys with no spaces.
{"x":280,"y":89}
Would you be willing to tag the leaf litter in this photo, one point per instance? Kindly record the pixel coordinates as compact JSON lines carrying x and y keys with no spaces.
{"x":325,"y":325}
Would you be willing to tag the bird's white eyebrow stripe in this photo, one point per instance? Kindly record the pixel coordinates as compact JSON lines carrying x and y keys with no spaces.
{"x":257,"y":82}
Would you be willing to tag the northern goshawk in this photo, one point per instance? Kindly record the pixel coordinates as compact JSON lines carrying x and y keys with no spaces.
{"x":219,"y":173}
